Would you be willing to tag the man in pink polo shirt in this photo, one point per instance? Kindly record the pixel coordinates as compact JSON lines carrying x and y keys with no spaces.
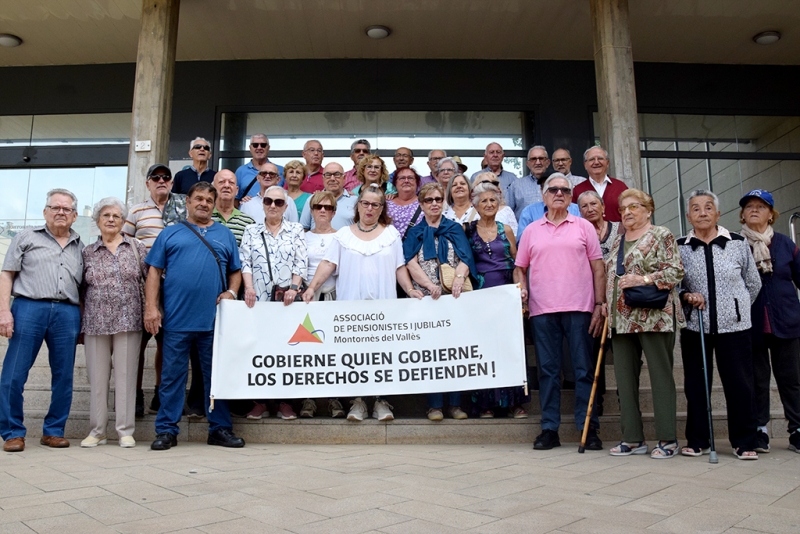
{"x":559,"y":259}
{"x":313,"y":154}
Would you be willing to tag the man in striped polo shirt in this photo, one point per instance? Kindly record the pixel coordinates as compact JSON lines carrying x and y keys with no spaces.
{"x":224,"y":210}
{"x":145,"y":221}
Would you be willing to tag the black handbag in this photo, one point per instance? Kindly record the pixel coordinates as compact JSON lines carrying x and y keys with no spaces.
{"x":640,"y":296}
{"x":277,"y":291}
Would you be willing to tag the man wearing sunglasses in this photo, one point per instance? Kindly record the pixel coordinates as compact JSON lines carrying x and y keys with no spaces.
{"x":199,"y":171}
{"x":528,"y":189}
{"x":267,"y":177}
{"x":358,"y":150}
{"x":246,"y":174}
{"x":333,"y":174}
{"x":536,"y":211}
{"x":595,"y":160}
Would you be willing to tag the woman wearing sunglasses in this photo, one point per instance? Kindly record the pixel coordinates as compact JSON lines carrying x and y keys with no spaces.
{"x":368,"y":257}
{"x":433,"y":241}
{"x":273,"y":255}
{"x":650,"y":257}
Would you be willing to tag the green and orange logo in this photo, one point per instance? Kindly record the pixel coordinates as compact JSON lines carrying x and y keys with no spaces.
{"x":305,"y":333}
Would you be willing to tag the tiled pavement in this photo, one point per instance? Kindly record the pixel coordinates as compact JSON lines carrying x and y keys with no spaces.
{"x":326,"y":489}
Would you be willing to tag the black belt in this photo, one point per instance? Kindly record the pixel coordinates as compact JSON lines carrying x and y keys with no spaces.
{"x":63,"y":301}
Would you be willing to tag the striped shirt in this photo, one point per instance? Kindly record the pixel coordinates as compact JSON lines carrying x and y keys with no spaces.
{"x":43,"y":269}
{"x":235,"y":224}
{"x":145,"y":221}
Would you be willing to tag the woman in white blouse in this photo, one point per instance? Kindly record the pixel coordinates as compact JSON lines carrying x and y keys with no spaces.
{"x":458,"y":196}
{"x":368,"y":257}
{"x":273,"y":254}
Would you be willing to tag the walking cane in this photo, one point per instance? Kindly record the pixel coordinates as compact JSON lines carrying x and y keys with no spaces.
{"x":597,"y":371}
{"x":712,"y":458}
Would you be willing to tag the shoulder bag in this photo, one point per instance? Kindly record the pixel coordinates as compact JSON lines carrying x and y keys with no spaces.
{"x":640,"y":296}
{"x":213,"y":252}
{"x":277,"y":291}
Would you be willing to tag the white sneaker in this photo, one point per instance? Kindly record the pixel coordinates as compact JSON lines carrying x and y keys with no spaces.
{"x":309,"y":408}
{"x":127,"y":442}
{"x":335,"y":408}
{"x":359,"y":410}
{"x":382,"y":411}
{"x":91,"y":441}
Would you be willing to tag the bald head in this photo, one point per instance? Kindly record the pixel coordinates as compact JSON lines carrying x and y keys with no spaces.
{"x":225,"y":184}
{"x":333,"y":178}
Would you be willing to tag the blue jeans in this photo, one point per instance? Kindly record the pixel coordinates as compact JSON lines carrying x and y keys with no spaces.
{"x":436,"y":400}
{"x":174,"y":372}
{"x":549,"y":329}
{"x":58,"y":325}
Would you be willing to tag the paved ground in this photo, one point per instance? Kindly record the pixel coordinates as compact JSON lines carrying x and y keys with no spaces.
{"x":392,"y":489}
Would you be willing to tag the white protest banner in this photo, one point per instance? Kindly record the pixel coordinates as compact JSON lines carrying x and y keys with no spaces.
{"x":369,"y":347}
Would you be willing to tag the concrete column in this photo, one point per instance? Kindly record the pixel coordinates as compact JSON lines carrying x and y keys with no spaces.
{"x":152,"y":94}
{"x":616,"y":90}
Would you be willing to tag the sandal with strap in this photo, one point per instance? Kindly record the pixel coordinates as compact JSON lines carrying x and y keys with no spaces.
{"x":743,"y":454}
{"x":626,"y":449}
{"x":694,"y":451}
{"x":664,"y":450}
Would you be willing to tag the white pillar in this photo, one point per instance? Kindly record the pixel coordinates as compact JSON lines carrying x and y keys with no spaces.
{"x":616,"y":90}
{"x":152,"y":94}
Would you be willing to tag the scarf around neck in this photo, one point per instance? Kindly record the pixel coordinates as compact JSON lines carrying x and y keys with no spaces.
{"x":760,"y":243}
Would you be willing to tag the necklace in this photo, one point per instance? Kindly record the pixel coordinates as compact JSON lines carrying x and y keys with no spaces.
{"x":358,"y":224}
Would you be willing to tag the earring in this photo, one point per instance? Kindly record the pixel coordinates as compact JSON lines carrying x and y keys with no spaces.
{"x":770,"y":221}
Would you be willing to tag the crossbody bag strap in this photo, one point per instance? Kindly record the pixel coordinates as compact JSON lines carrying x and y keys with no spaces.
{"x":412,"y":223}
{"x":249,"y":186}
{"x":269,"y":263}
{"x":213,"y":253}
{"x":621,"y":257}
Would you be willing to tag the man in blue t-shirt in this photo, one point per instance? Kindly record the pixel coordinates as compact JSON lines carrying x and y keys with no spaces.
{"x":194,"y":282}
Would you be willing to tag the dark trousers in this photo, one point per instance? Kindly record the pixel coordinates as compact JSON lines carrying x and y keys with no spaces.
{"x":735,"y":364}
{"x":194,"y":399}
{"x":785,"y":357}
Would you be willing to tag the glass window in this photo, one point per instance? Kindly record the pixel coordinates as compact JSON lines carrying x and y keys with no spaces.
{"x":76,"y":129}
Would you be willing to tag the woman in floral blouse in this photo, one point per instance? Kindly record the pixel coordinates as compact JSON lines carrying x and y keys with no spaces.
{"x":273,"y":255}
{"x":112,"y":298}
{"x":651,"y":257}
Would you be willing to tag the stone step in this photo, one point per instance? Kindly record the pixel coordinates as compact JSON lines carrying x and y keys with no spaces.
{"x":324,"y":430}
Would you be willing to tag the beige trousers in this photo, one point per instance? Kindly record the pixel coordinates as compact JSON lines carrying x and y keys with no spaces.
{"x":125,"y":349}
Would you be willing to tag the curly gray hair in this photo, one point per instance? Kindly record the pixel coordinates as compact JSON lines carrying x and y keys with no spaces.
{"x":107,"y":202}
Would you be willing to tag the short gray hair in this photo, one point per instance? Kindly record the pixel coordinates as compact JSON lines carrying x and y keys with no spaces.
{"x":278,"y":188}
{"x":305,"y":145}
{"x":261,"y":136}
{"x":540,"y":147}
{"x":702,"y":193}
{"x":486,"y":187}
{"x":434,"y":150}
{"x":360,"y":142}
{"x":443,"y":160}
{"x":109,"y":202}
{"x":605,"y":152}
{"x":66,"y":192}
{"x":555,"y":176}
{"x":196,"y":139}
{"x":591,"y":193}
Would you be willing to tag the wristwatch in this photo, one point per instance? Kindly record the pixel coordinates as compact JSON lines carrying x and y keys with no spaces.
{"x":232,"y":293}
{"x":647,"y":280}
{"x":294,"y":287}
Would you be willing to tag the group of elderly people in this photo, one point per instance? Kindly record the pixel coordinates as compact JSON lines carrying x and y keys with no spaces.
{"x":575,"y":272}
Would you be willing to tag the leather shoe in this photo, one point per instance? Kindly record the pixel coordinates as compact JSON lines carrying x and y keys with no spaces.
{"x":593,"y":442}
{"x":14,"y":445}
{"x":225,"y":438}
{"x":546,"y":440}
{"x":56,"y":442}
{"x":164,"y":442}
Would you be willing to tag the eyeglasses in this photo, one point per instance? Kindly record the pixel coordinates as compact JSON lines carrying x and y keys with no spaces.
{"x":267,"y":174}
{"x":596,"y":158}
{"x":633,"y":206}
{"x":406,"y":178}
{"x":360,"y":151}
{"x":538,"y":158}
{"x":367,"y":204}
{"x":111,"y":217}
{"x":60,"y":209}
{"x":561,"y":160}
{"x":204,"y":147}
{"x":373,"y":167}
{"x":446,"y":169}
{"x":563,"y":190}
{"x":325,"y":207}
{"x":160,"y":177}
{"x":313,"y":150}
{"x":259,"y":145}
{"x":431,"y":200}
{"x":279,"y":202}
{"x":332,"y":174}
